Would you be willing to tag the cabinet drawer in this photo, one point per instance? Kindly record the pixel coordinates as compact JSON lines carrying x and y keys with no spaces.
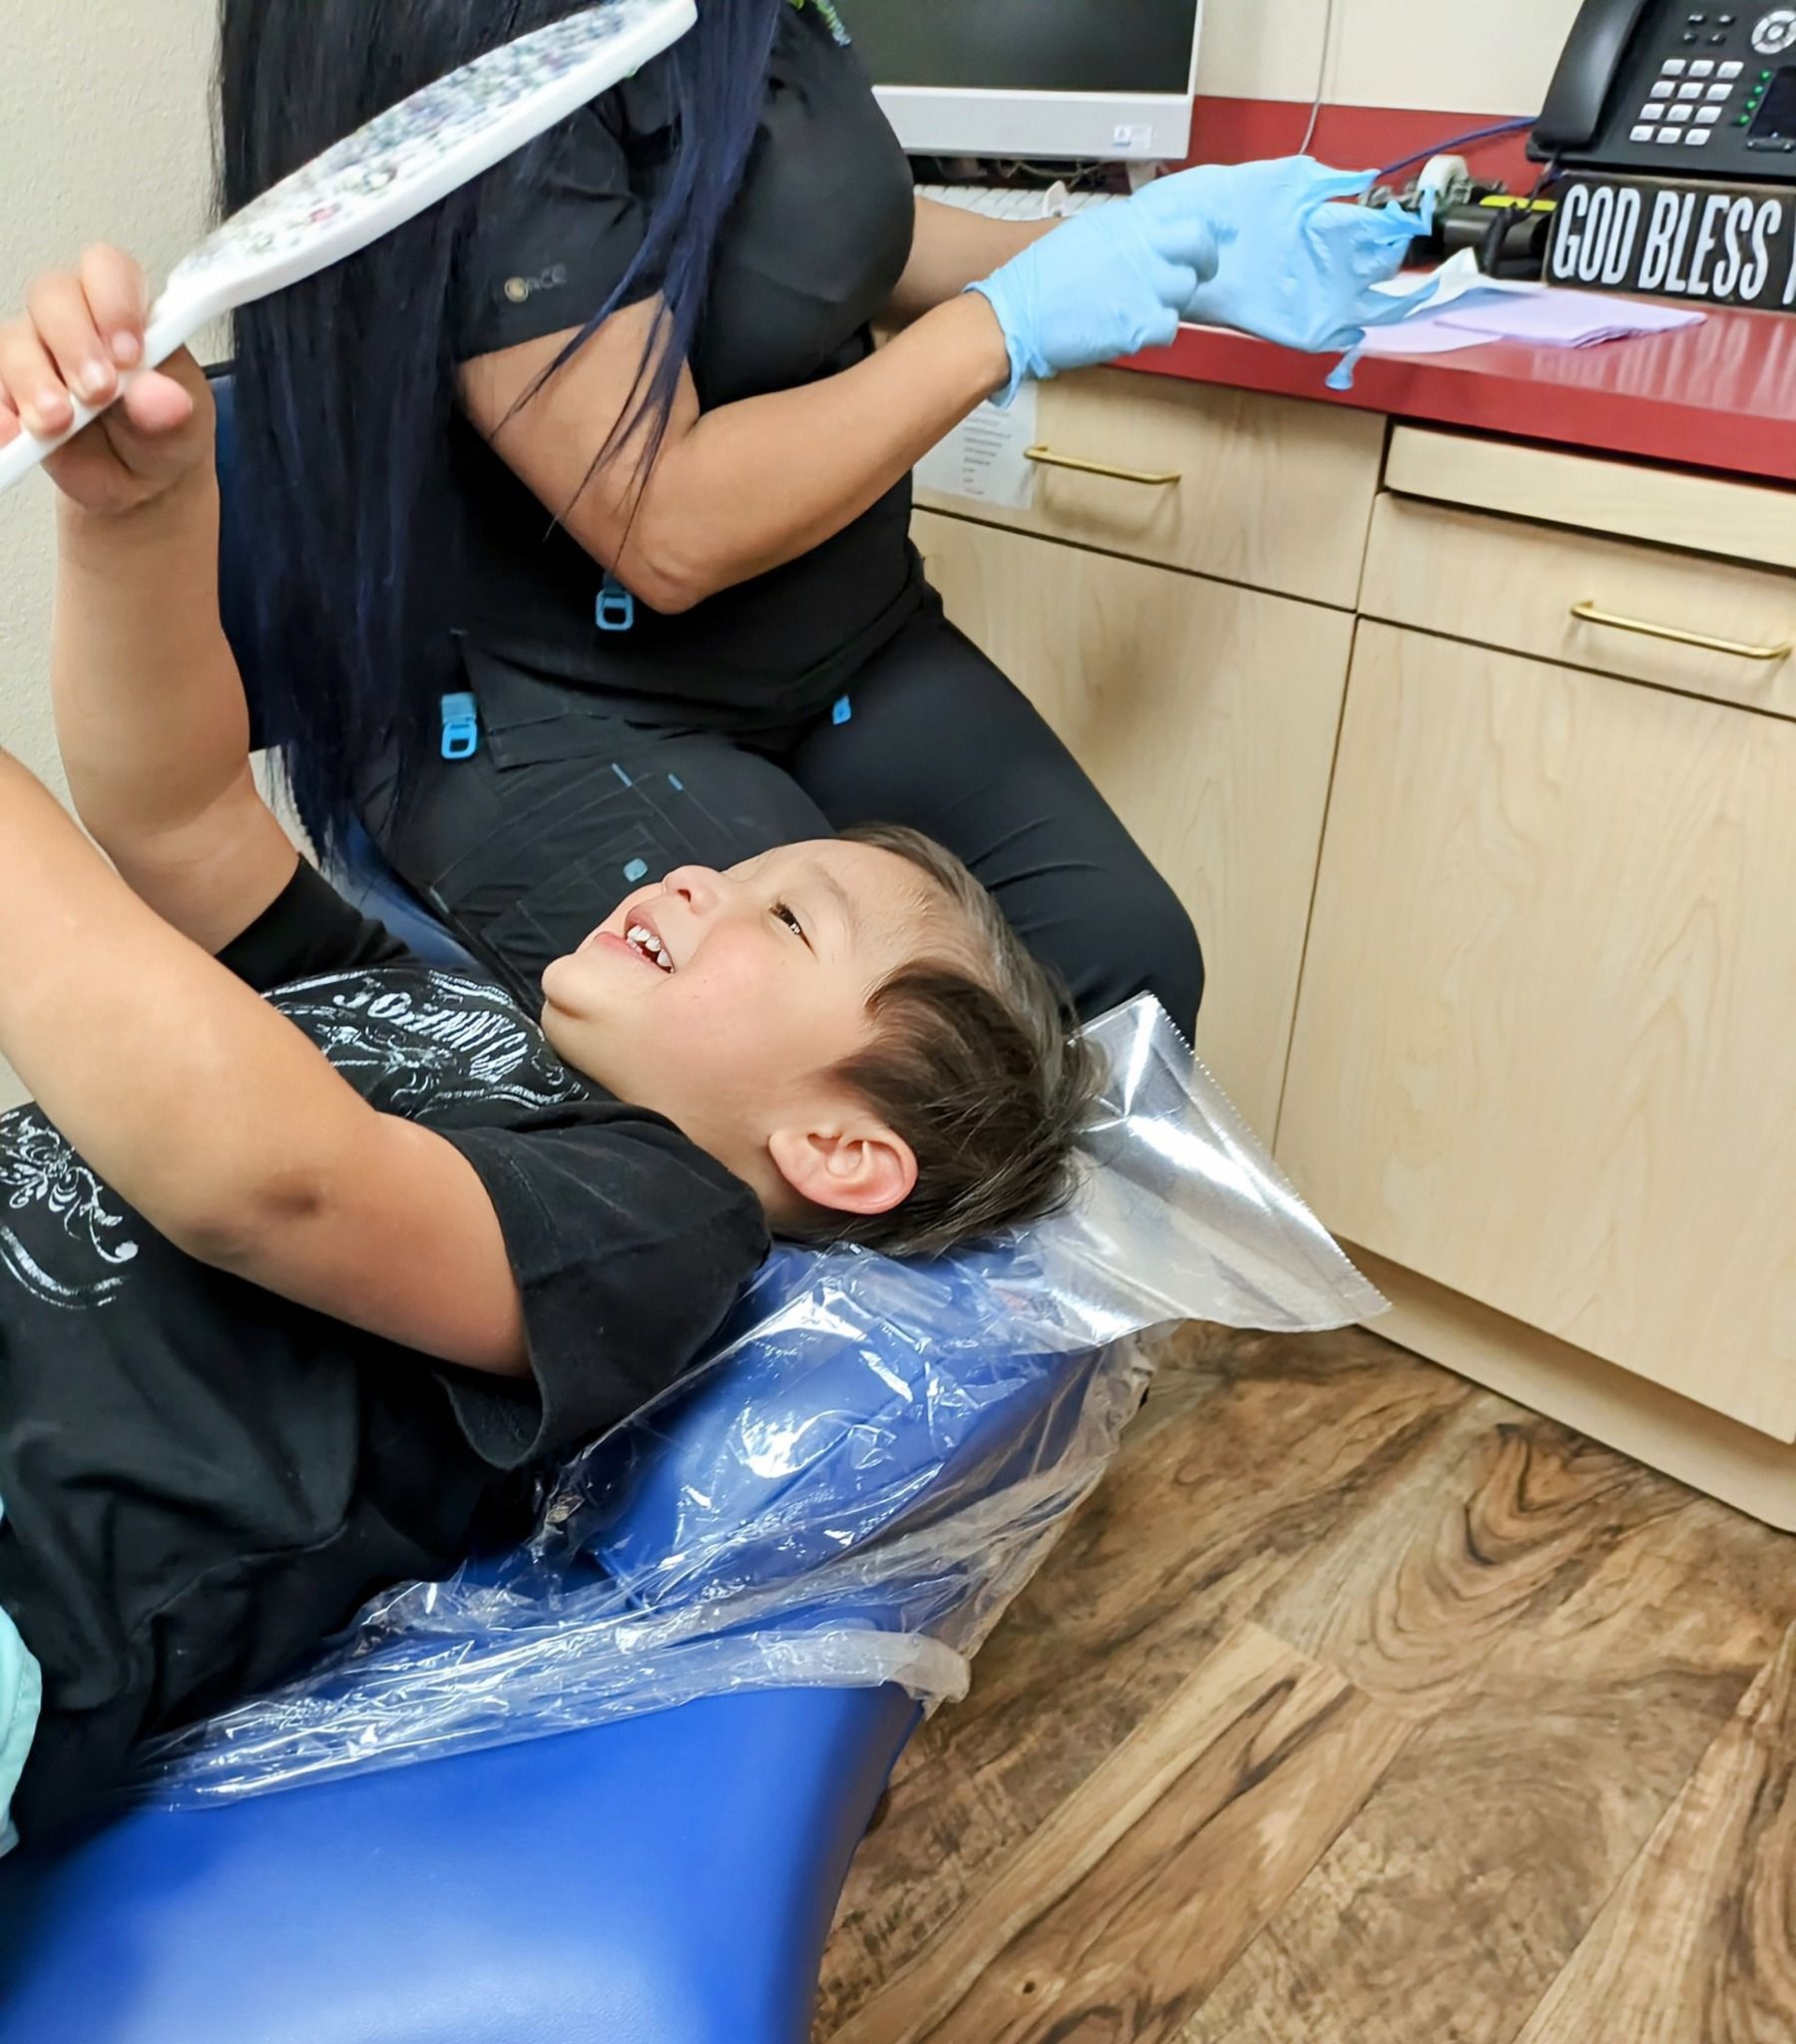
{"x":1544,"y":1053}
{"x":1503,"y":583}
{"x":1671,"y":507}
{"x":1207,"y":715}
{"x":1265,"y":491}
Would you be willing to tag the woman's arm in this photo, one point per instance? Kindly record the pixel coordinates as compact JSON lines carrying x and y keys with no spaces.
{"x":741,"y":489}
{"x":951,"y":249}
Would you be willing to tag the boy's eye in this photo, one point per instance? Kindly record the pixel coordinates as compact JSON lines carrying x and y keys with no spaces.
{"x":786,"y":915}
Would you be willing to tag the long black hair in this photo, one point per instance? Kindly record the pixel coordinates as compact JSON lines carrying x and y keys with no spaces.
{"x":345,"y":385}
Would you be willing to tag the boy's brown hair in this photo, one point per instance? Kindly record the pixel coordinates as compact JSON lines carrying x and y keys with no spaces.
{"x":977,"y":1064}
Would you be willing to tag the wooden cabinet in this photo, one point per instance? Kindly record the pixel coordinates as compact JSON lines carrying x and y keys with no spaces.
{"x":1640,"y":500}
{"x":1545,"y":1054}
{"x":1537,"y":1061}
{"x":1206,"y":714}
{"x":1262,"y":490}
{"x":1503,"y":582}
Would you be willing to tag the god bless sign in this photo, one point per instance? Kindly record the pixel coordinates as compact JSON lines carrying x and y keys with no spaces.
{"x":1714,"y":245}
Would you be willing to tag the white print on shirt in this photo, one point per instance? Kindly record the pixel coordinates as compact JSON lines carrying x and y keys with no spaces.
{"x":408,"y":1039}
{"x":39,"y":1170}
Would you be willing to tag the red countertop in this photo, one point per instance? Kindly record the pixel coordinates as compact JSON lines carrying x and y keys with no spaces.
{"x":1721,"y":395}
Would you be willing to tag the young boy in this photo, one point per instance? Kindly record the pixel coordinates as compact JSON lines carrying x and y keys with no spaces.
{"x":308,"y":1252}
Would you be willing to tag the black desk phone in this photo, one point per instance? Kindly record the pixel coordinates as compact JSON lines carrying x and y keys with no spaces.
{"x":1669,"y":134}
{"x":1666,"y":88}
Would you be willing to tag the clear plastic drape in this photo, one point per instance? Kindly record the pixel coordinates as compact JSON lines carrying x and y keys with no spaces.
{"x":850,"y":1491}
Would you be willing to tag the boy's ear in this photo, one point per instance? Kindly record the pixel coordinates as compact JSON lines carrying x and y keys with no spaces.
{"x":859,"y":1167}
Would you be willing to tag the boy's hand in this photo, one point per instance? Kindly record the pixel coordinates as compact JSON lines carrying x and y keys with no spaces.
{"x":80,"y":333}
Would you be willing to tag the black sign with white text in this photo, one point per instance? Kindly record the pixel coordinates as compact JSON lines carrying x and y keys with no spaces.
{"x":1703,"y":243}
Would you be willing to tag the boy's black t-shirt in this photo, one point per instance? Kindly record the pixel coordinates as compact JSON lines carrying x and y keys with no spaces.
{"x":201,"y":1480}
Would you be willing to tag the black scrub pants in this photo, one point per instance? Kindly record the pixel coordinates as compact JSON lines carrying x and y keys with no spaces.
{"x":571,"y":801}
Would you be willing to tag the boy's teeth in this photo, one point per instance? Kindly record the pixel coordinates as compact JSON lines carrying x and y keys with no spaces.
{"x":647,"y":943}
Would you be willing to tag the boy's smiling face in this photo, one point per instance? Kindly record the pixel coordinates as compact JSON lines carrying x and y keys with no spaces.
{"x":726,"y":1002}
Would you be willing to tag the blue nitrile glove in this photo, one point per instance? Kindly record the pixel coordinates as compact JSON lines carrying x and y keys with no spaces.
{"x":1108,"y":283}
{"x":1294,"y":266}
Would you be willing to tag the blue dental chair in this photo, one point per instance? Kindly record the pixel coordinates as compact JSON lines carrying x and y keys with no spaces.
{"x":666,"y":1879}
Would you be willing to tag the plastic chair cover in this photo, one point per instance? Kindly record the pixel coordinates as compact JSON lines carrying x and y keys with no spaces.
{"x":851,"y":1489}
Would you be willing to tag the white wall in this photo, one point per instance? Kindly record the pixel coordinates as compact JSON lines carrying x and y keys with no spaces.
{"x":1454,"y":55}
{"x":104,"y":135}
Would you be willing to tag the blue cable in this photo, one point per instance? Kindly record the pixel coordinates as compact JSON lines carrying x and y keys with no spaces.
{"x":1459,"y":142}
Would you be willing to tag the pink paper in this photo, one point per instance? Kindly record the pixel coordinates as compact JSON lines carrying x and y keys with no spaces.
{"x":1422,"y":337}
{"x":1558,"y":319}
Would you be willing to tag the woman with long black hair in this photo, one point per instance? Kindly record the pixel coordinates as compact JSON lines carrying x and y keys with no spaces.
{"x":582,"y":504}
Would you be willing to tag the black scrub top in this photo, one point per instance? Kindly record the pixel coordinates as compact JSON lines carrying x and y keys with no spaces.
{"x":811,"y":252}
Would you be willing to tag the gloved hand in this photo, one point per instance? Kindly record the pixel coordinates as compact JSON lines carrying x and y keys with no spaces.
{"x":1294,"y":266}
{"x":1108,"y":283}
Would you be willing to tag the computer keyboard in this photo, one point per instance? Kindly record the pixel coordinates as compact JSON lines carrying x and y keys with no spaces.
{"x":1015,"y":202}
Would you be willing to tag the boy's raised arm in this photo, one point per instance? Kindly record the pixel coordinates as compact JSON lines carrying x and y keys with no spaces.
{"x":149,"y":711}
{"x":195,"y":1098}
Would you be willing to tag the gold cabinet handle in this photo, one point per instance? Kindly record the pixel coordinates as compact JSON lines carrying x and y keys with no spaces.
{"x":1046,"y":458}
{"x":1588,"y":614}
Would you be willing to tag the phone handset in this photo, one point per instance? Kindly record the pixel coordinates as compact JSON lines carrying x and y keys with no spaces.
{"x":1587,"y":73}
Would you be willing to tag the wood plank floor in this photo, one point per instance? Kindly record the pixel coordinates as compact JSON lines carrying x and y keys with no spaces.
{"x":1358,"y":1706}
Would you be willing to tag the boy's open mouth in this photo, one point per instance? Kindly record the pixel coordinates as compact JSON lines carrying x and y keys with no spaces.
{"x":640,"y":940}
{"x":643,"y":941}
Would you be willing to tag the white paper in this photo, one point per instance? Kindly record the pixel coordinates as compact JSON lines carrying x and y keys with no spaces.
{"x":982,"y":460}
{"x":1469,"y":309}
{"x":1453,"y":279}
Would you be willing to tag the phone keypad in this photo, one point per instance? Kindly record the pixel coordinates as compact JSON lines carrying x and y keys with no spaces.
{"x":1686,"y":101}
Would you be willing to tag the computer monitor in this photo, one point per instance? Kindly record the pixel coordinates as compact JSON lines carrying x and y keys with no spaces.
{"x":1029,"y":79}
